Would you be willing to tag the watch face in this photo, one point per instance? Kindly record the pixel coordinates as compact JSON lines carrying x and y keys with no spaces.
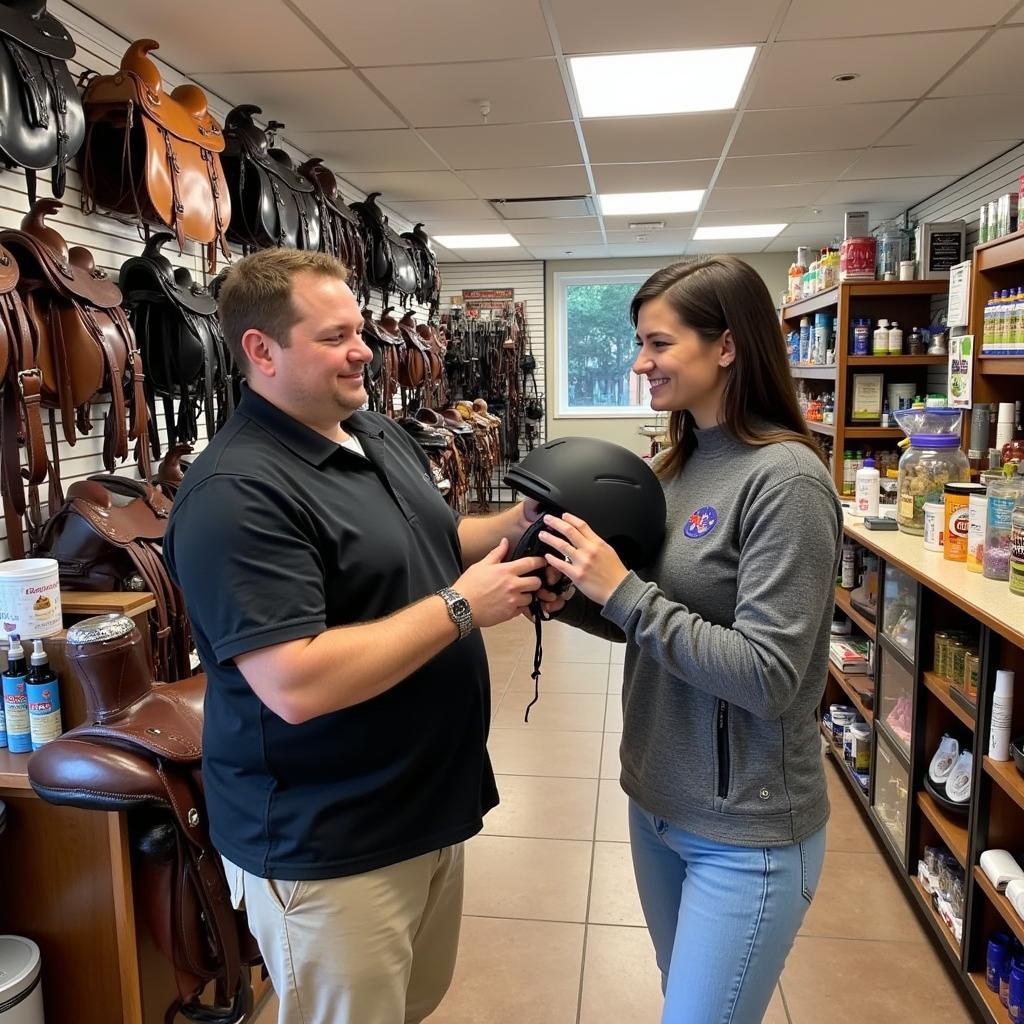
{"x":461,"y":606}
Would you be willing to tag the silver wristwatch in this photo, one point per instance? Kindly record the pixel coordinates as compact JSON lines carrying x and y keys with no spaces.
{"x":458,"y":610}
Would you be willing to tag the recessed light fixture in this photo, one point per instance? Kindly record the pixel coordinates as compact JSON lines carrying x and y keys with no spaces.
{"x":641,"y":238}
{"x":846,"y":76}
{"x":738,"y":231}
{"x":618,"y":203}
{"x":646,"y":225}
{"x":669,"y":82}
{"x":476,"y":241}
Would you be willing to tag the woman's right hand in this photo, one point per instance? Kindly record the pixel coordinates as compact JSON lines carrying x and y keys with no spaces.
{"x":550,"y":602}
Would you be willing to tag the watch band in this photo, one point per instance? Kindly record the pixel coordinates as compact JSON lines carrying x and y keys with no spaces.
{"x":458,"y":610}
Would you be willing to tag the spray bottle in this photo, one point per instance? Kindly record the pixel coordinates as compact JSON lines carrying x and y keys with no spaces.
{"x":43,"y":699}
{"x":19,"y":735}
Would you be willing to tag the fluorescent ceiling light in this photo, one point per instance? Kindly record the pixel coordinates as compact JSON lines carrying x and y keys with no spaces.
{"x":619,"y":203}
{"x":476,"y":241}
{"x":670,"y":82}
{"x":739,"y":231}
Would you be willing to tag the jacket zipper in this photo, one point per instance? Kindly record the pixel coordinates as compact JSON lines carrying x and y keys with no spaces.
{"x":723,"y":749}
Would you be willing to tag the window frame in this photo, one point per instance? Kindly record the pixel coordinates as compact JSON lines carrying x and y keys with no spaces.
{"x":562,"y":281}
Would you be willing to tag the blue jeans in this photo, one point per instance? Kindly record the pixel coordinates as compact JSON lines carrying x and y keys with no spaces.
{"x":722,"y":918}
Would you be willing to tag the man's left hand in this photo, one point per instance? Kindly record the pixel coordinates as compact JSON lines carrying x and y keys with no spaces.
{"x":589,"y":563}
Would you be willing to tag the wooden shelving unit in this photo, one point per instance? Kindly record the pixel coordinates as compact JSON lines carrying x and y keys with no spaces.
{"x":814,"y":372}
{"x":941,"y":688}
{"x":940,"y":926}
{"x":950,"y":829}
{"x":1000,"y":902}
{"x":848,"y":686}
{"x":861,"y":621}
{"x":845,"y":771}
{"x":821,"y":428}
{"x":1007,"y":778}
{"x":989,"y":999}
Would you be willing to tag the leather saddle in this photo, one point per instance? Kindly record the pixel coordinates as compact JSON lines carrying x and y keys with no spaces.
{"x":424,"y":338}
{"x":413,"y":356}
{"x":428,"y":290}
{"x":41,"y":120}
{"x":82,"y":342}
{"x":178,"y":332}
{"x":271,"y":203}
{"x":108,"y":536}
{"x":340,"y":233}
{"x":141,"y":752}
{"x":390,"y":261}
{"x":154,"y":155}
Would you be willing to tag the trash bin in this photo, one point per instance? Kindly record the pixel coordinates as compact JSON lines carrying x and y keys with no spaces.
{"x":21,"y":996}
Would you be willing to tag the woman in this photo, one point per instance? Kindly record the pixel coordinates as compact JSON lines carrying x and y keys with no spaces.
{"x":727,"y":635}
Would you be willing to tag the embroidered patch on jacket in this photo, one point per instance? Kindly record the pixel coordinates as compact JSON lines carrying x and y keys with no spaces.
{"x":701,"y":522}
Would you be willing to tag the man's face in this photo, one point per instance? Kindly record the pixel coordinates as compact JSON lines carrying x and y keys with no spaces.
{"x":320,"y":373}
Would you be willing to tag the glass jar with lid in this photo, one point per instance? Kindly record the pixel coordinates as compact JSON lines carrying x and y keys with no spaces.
{"x":1003,"y":492}
{"x":933,"y":460}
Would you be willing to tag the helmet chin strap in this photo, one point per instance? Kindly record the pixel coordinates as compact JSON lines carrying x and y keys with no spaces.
{"x":530,"y":544}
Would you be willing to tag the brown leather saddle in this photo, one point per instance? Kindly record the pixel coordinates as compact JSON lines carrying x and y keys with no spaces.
{"x":141,"y":752}
{"x":41,"y":119}
{"x":83,"y":345}
{"x":108,"y":536}
{"x":155,"y":155}
{"x":419,"y":354}
{"x":271,"y":203}
{"x":340,"y":233}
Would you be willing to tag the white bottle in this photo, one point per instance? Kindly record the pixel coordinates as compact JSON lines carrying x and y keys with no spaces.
{"x":866,"y":490}
{"x":895,"y":339}
{"x":1002,"y":709}
{"x":880,"y":339}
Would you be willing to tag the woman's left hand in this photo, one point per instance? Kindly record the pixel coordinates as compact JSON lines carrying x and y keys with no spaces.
{"x":593,"y":567}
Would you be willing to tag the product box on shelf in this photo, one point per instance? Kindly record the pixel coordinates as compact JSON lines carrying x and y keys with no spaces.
{"x":940,"y":246}
{"x":855,"y":223}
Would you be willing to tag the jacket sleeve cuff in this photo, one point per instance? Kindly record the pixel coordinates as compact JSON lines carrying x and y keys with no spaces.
{"x":619,"y":608}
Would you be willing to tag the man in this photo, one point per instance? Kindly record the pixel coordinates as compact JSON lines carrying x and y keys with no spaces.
{"x":348,"y":699}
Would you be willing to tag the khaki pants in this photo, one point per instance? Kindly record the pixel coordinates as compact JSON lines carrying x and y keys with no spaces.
{"x":376,"y":948}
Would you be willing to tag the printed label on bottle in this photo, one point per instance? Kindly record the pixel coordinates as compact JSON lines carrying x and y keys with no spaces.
{"x":907,"y":507}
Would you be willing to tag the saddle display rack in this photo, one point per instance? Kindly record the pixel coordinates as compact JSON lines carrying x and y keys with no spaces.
{"x":340,"y":230}
{"x":154,"y":156}
{"x":391,"y":258}
{"x":80,"y":345}
{"x":271,"y":203}
{"x":140,"y":752}
{"x":186,"y":358}
{"x":41,"y":120}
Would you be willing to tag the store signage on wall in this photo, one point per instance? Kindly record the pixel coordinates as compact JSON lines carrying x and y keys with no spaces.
{"x":959,"y":295}
{"x":477,"y":300}
{"x":961,"y":363}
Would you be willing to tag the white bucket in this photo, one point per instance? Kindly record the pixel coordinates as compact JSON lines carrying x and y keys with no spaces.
{"x":21,"y":996}
{"x":904,"y":391}
{"x":30,"y":598}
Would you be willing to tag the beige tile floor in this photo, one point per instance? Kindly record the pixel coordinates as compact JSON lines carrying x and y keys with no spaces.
{"x":552,"y":932}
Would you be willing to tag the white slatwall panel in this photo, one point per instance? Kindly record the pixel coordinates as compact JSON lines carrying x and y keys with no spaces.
{"x":111,"y":241}
{"x":527,"y":278}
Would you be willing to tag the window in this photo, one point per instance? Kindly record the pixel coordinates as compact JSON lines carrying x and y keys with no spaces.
{"x":596,"y":345}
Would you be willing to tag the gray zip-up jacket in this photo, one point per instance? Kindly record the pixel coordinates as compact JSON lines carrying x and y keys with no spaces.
{"x":727,"y":635}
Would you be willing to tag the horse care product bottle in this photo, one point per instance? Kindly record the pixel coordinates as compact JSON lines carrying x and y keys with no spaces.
{"x":895,"y":339}
{"x":867,"y":488}
{"x":43,"y":699}
{"x":19,"y":735}
{"x":1002,"y":709}
{"x":880,"y":339}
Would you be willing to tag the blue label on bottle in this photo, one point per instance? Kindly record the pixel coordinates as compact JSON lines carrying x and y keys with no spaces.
{"x":43,"y":712}
{"x":19,"y":734}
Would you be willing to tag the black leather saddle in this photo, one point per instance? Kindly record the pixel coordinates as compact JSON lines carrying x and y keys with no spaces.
{"x":271,"y":203}
{"x":41,"y":120}
{"x":428,"y":290}
{"x":390,"y":258}
{"x":183,"y":349}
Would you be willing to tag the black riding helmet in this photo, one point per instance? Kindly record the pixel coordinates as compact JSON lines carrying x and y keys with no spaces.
{"x":609,"y":487}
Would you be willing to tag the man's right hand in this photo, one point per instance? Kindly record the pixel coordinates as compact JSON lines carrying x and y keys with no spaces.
{"x":496,"y":590}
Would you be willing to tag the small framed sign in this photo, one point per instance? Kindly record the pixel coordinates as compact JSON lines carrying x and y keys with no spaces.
{"x":866,"y":401}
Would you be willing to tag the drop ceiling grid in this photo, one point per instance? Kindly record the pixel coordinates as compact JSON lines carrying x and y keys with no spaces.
{"x":413,"y":127}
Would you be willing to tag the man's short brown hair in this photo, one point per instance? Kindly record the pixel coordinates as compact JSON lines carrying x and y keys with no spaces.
{"x":256,"y":294}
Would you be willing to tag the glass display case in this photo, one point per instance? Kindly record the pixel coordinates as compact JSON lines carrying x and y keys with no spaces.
{"x":894,"y":701}
{"x":899,"y":610}
{"x":892,"y":793}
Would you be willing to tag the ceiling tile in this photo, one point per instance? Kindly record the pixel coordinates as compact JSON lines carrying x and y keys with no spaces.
{"x":661,"y":238}
{"x":707,"y":247}
{"x":809,"y":129}
{"x":388,"y":150}
{"x":411,"y":186}
{"x":812,"y":19}
{"x":678,"y":137}
{"x":528,"y":182}
{"x":646,"y":249}
{"x":822,"y":231}
{"x":930,"y":159}
{"x":877,"y":211}
{"x":789,"y":169}
{"x":783,"y":215}
{"x":503,"y":255}
{"x":506,"y":145}
{"x":306,"y":100}
{"x":789,"y":72}
{"x":449,"y":94}
{"x":466,"y":227}
{"x":445,"y":209}
{"x":975,"y":117}
{"x":905,"y":190}
{"x":397,"y":32}
{"x":995,"y":67}
{"x":276,"y":40}
{"x":672,"y":221}
{"x":657,"y":177}
{"x":569,"y":252}
{"x":552,"y":225}
{"x":764,"y":198}
{"x":562,"y":238}
{"x":660,"y":24}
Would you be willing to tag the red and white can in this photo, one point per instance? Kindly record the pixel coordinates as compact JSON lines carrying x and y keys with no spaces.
{"x":857,"y":259}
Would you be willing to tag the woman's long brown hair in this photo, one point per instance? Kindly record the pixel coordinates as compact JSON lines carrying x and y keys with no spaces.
{"x":712,"y":296}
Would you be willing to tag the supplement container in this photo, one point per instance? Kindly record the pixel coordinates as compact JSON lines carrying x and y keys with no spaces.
{"x":933,"y":460}
{"x":957,"y":519}
{"x":934,"y":523}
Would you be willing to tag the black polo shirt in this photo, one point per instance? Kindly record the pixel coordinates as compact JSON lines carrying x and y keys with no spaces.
{"x":278,"y":533}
